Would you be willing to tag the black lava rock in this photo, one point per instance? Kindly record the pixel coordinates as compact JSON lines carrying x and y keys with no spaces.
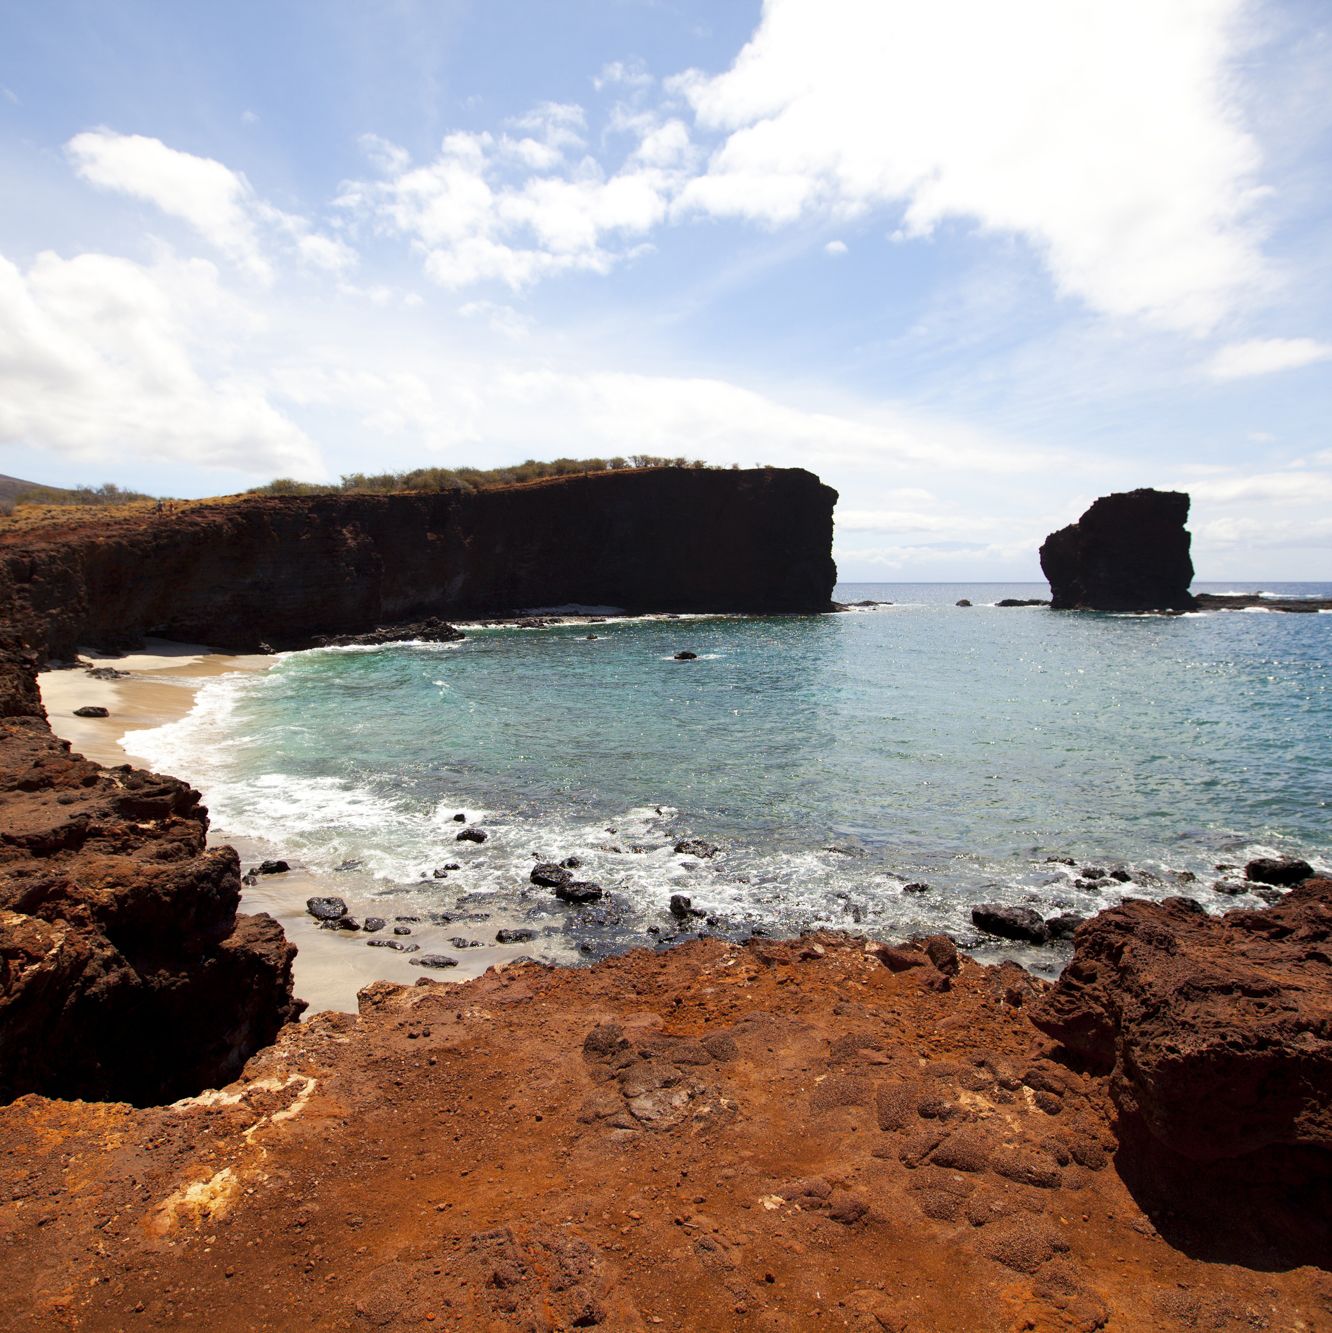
{"x":514,"y":936}
{"x":396,"y":945}
{"x":272,"y":868}
{"x":549,"y":875}
{"x":1010,"y":923}
{"x":92,"y":710}
{"x":1062,"y":927}
{"x":472,"y":835}
{"x":434,"y":960}
{"x":326,"y":909}
{"x":578,"y":891}
{"x":686,"y":656}
{"x":373,"y":923}
{"x":696,"y":847}
{"x":1279,"y":870}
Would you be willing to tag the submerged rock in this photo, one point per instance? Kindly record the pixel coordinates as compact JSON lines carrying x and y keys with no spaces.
{"x":696,"y":847}
{"x":686,"y":656}
{"x":271,"y":868}
{"x":520,"y":936}
{"x":472,"y":835}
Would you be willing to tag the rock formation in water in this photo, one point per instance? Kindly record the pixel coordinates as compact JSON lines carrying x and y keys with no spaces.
{"x":284,"y":571}
{"x":125,"y":972}
{"x":1128,"y":552}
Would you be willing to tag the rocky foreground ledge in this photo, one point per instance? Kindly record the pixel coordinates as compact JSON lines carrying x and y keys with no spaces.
{"x":125,"y":971}
{"x":781,"y":1135}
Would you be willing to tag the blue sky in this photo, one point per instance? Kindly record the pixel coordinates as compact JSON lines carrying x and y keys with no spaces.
{"x":973,"y":264}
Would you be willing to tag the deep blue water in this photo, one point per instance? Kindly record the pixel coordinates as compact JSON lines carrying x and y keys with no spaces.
{"x":832,"y":758}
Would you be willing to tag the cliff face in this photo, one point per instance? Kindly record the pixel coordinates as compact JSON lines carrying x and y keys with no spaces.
{"x":125,"y":972}
{"x":1128,"y":552}
{"x":282,"y":570}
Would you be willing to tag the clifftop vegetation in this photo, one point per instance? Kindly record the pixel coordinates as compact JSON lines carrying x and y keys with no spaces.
{"x":470,"y":478}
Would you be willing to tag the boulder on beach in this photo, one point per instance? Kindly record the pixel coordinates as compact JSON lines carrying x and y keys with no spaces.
{"x":271,"y":868}
{"x":326,"y":909}
{"x":1128,"y":552}
{"x":1010,"y":923}
{"x":92,"y":710}
{"x":519,"y":936}
{"x":435,"y":960}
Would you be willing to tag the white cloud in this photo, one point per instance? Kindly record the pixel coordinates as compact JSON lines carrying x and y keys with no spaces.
{"x":502,"y":319}
{"x":519,"y":210}
{"x":1105,"y":135}
{"x":835,"y":248}
{"x":326,"y":252}
{"x":210,"y":197}
{"x":1295,"y":485}
{"x":1265,"y":356}
{"x":630,"y":74}
{"x":217,"y":202}
{"x":96,"y":360}
{"x":249,"y":117}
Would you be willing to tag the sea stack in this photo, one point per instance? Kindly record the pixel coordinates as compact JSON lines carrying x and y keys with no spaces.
{"x":1128,"y":552}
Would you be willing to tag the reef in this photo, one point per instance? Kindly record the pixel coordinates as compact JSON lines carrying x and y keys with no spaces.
{"x":1128,"y":552}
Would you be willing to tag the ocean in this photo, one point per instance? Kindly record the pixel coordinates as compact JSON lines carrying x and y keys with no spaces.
{"x":833,"y":761}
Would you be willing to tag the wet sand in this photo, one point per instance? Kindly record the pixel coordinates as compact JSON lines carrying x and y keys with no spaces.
{"x":331,"y":966}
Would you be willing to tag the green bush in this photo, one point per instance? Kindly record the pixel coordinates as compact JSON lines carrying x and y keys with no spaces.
{"x":106,"y":494}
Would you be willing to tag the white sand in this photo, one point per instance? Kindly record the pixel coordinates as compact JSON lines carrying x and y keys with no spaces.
{"x":331,"y":966}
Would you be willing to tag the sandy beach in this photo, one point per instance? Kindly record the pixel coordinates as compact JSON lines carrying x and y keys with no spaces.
{"x":160,"y":687}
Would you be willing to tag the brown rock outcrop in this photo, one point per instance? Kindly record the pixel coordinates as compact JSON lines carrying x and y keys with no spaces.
{"x":1128,"y":552}
{"x":286,"y":571}
{"x":788,"y":1135}
{"x":1218,"y":1029}
{"x":125,"y":972}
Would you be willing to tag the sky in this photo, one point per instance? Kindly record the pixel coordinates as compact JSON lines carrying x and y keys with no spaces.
{"x":973,"y":264}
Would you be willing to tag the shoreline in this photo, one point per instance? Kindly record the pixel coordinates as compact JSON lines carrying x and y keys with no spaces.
{"x":161,"y":686}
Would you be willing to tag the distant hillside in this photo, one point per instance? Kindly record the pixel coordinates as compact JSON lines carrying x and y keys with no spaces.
{"x":12,"y":487}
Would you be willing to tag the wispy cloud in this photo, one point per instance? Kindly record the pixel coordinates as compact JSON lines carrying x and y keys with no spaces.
{"x":1266,"y":356}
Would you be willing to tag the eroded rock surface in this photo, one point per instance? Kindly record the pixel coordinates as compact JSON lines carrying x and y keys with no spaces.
{"x":1218,"y":1030}
{"x":1128,"y":552}
{"x":788,"y":1135}
{"x":125,"y":972}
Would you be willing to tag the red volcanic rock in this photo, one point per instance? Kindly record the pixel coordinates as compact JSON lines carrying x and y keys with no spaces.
{"x":287,"y":571}
{"x":1218,"y":1029}
{"x":125,"y":972}
{"x":1128,"y":552}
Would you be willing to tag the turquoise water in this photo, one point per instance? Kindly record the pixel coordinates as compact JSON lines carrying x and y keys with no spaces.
{"x":833,"y":759}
